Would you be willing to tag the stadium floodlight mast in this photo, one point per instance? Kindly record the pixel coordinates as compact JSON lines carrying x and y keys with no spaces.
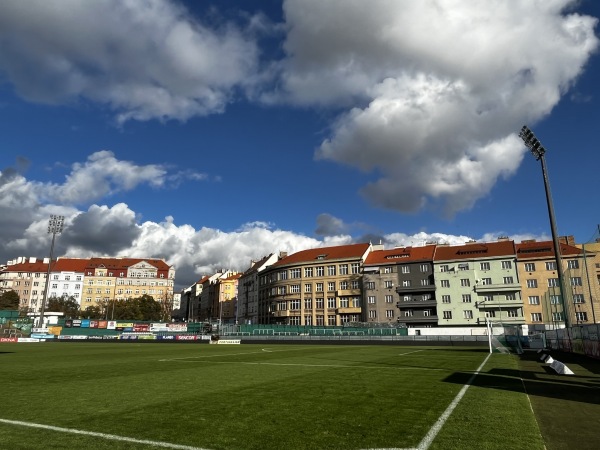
{"x":538,"y":150}
{"x":55,"y":226}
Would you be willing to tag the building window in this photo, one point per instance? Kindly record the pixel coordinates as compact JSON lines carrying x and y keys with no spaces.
{"x":389,"y":313}
{"x":445,"y":283}
{"x":575,"y":281}
{"x":555,"y":299}
{"x":295,"y":304}
{"x":488,"y":298}
{"x":466,"y":298}
{"x":344,"y":285}
{"x":425,"y":282}
{"x":371,"y":299}
{"x":372,"y":314}
{"x":578,"y":298}
{"x":551,"y":265}
{"x":308,"y":288}
{"x":464,"y":282}
{"x":408,"y":313}
{"x":508,"y":280}
{"x":320,"y":271}
{"x":536,"y":317}
{"x":486,"y":281}
{"x":344,"y":302}
{"x":506,"y":265}
{"x":283,"y":275}
{"x":511,"y":296}
{"x":573,"y":264}
{"x":552,"y":282}
{"x":331,"y":271}
{"x":319,"y":287}
{"x":308,"y":320}
{"x":308,"y":272}
{"x":445,"y":299}
{"x":484,"y":266}
{"x":447,"y":314}
{"x":529,"y":267}
{"x":405,"y":269}
{"x":331,"y":286}
{"x":343,"y":269}
{"x":534,"y":299}
{"x":513,"y":313}
{"x":557,"y":316}
{"x":406,"y":283}
{"x":295,"y":273}
{"x":389,"y":284}
{"x":389,"y":299}
{"x":424,"y":268}
{"x":319,"y":303}
{"x":294,"y":289}
{"x":463,"y":266}
{"x":581,"y":316}
{"x":331,"y":320}
{"x":370,"y":285}
{"x":355,"y":284}
{"x":444,"y":268}
{"x":387,"y":269}
{"x":331,"y":302}
{"x":355,"y":267}
{"x":532,"y":283}
{"x":426,"y":312}
{"x":468,"y":314}
{"x":426,"y":297}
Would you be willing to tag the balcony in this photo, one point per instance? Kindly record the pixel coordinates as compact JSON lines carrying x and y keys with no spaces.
{"x":417,"y":288}
{"x":348,"y":293}
{"x":498,"y":304}
{"x":285,"y":313}
{"x":417,"y":304}
{"x":418,"y":319}
{"x":348,"y":310}
{"x":497,"y":287}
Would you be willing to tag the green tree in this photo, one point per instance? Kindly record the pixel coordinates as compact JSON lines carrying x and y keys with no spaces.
{"x":64,"y":304}
{"x":93,"y":312}
{"x":9,"y":300}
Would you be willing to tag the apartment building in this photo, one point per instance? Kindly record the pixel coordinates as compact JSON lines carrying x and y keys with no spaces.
{"x":399,"y":286}
{"x":541,"y":288}
{"x":91,"y":282}
{"x":319,"y":286}
{"x":476,"y":281}
{"x":215,"y":290}
{"x":247,"y":308}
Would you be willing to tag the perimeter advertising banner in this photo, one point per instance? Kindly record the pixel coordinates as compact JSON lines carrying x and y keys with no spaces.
{"x":9,"y":339}
{"x":177,"y":327}
{"x":159,"y":327}
{"x":102,"y":323}
{"x":85,"y":323}
{"x":192,"y":337}
{"x":141,"y":327}
{"x":111,"y":325}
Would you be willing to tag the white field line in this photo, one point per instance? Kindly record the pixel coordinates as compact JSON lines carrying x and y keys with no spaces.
{"x":408,"y":353}
{"x":100,"y":435}
{"x":188,"y":358}
{"x":437,"y":426}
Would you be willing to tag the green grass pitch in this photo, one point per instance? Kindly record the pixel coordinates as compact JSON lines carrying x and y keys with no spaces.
{"x":269,"y":396}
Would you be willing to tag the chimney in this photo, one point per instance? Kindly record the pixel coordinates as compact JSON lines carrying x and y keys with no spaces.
{"x":32,"y":259}
{"x":569,"y":240}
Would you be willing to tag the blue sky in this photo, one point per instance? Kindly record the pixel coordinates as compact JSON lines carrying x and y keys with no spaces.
{"x":211,"y":133}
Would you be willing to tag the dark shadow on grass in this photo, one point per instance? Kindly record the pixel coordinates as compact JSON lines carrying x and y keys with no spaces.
{"x":539,"y":380}
{"x":6,"y":352}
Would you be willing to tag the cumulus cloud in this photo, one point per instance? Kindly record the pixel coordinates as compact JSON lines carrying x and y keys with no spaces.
{"x":112,"y":231}
{"x":142,"y":59}
{"x":431,"y":114}
{"x":103,"y":175}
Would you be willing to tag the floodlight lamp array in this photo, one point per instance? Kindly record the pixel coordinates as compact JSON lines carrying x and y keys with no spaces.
{"x":532,"y":143}
{"x":55,"y":224}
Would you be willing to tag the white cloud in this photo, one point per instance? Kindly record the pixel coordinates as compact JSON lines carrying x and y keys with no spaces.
{"x":437,"y":88}
{"x":143,"y":59}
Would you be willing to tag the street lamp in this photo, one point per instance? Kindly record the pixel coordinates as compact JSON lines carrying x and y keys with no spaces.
{"x":55,"y":226}
{"x":538,"y":150}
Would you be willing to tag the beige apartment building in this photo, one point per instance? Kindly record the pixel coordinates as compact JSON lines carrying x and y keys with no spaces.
{"x":91,"y":282}
{"x":315,"y":287}
{"x":541,"y":289}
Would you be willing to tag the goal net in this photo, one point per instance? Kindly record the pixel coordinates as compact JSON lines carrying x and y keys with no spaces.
{"x":505,"y":338}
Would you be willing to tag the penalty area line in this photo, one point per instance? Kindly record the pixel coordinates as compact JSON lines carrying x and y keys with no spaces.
{"x":112,"y":437}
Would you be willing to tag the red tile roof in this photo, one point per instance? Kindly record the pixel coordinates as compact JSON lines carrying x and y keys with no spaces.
{"x":324,"y":254}
{"x":544,"y":249}
{"x":124,"y":263}
{"x":38,"y":266}
{"x":70,"y":265}
{"x":400,"y":255}
{"x":474,"y":250}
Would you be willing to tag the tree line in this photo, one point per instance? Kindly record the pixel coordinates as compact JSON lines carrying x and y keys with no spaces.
{"x":144,"y":308}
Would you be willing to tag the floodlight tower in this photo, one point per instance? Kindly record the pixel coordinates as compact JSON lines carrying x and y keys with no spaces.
{"x":55,"y":226}
{"x":538,"y":150}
